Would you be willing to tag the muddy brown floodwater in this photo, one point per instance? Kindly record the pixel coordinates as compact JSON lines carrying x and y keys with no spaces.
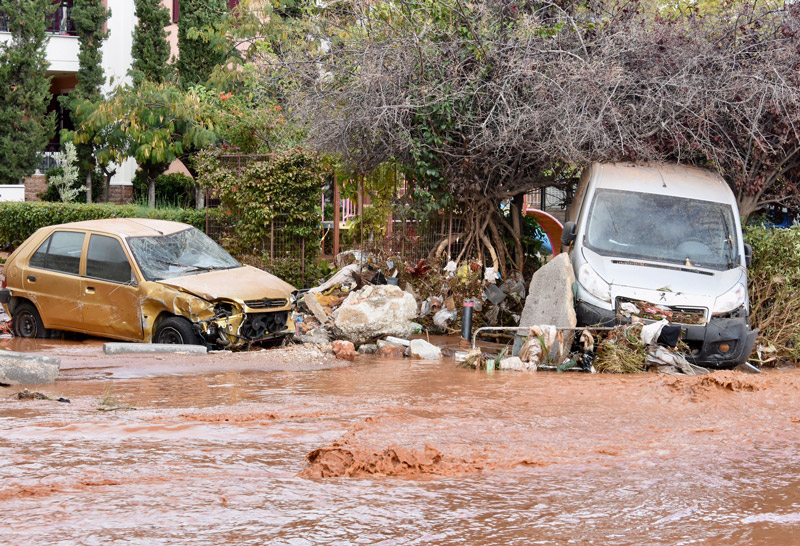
{"x":266,"y":449}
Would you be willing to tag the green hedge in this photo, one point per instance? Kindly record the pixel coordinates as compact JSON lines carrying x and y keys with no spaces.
{"x":18,"y":220}
{"x":774,"y":287}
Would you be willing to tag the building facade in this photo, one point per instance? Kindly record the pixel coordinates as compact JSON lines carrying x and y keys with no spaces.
{"x":62,"y":56}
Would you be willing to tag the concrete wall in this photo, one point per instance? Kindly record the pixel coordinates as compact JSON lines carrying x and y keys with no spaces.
{"x":12,"y":192}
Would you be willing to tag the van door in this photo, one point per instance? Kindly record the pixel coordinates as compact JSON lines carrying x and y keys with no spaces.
{"x":52,"y":282}
{"x":110,"y":292}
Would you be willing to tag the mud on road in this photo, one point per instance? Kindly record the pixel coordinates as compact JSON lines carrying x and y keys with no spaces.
{"x":273,"y":449}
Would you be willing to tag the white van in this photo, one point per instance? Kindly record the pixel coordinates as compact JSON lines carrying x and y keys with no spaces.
{"x":662,"y":241}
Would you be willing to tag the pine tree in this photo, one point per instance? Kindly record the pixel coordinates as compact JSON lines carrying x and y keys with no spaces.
{"x":150,"y":49}
{"x":25,"y":126}
{"x":89,"y":17}
{"x":201,"y":47}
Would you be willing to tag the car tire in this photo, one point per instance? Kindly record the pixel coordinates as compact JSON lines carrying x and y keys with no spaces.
{"x":176,"y":331}
{"x":28,"y":323}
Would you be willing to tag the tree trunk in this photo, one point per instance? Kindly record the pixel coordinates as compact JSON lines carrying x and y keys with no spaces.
{"x":89,"y":187}
{"x":151,"y":192}
{"x":748,"y":204}
{"x":517,"y":205}
{"x":199,"y":197}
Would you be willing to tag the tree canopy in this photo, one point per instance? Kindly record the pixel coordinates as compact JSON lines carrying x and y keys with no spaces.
{"x":484,"y":101}
{"x":200,"y":44}
{"x":155,"y":123}
{"x":150,"y":48}
{"x":24,"y":89}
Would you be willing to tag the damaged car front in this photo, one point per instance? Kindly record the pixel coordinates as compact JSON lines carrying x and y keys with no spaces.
{"x":195,"y":292}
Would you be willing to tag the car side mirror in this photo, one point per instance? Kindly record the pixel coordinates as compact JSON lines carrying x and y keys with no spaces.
{"x":569,"y":233}
{"x":748,"y":254}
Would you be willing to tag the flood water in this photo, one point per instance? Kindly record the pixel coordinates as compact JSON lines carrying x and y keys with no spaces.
{"x":401,"y":452}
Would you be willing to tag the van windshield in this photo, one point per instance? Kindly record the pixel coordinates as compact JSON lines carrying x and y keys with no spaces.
{"x":662,"y":228}
{"x":182,"y":253}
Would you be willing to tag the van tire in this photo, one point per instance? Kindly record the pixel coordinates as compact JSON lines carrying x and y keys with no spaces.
{"x":176,"y":331}
{"x":28,"y":323}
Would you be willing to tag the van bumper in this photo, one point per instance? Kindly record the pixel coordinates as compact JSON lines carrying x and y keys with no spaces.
{"x":705,"y":340}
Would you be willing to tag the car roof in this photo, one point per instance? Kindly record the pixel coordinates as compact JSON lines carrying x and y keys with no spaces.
{"x":664,"y":179}
{"x":128,"y":227}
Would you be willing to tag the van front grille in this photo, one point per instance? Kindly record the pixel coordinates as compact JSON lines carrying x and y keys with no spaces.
{"x":266,"y":303}
{"x":674,"y":314}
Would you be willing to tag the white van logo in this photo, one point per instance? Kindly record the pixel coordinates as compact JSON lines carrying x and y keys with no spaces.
{"x":663,"y":296}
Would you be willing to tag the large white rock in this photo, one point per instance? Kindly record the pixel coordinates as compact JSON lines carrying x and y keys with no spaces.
{"x":375,"y":311}
{"x":27,"y":369}
{"x":420,"y":348}
{"x":550,"y":299}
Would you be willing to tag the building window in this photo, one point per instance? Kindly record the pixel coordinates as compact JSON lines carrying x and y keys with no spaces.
{"x":61,"y":22}
{"x":58,"y":22}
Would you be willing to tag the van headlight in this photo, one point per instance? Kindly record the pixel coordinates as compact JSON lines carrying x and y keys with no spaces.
{"x":593,"y":284}
{"x":730,"y":300}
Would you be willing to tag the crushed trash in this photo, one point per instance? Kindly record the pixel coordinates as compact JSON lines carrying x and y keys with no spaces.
{"x":637,"y":309}
{"x":444,"y":317}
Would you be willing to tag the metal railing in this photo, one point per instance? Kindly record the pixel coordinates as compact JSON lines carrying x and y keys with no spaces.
{"x":58,"y":22}
{"x":50,"y":157}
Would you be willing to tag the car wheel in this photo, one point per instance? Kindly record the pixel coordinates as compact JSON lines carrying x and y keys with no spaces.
{"x":28,"y":323}
{"x":177,"y":331}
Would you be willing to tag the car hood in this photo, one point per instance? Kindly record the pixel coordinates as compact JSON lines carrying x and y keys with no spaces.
{"x":240,"y":284}
{"x":667,"y":284}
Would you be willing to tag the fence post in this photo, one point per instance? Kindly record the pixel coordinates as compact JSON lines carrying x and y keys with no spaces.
{"x":337,"y":208}
{"x":449,"y":237}
{"x":272,"y":243}
{"x":303,"y":260}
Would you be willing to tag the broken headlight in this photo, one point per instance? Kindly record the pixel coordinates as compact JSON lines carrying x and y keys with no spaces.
{"x":730,"y":300}
{"x":592,"y":283}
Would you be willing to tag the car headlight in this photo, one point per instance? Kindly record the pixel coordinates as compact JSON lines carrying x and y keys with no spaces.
{"x":730,"y":300}
{"x":591,"y":281}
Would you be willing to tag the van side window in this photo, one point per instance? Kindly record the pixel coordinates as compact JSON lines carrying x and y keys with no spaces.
{"x":106,"y":260}
{"x":60,"y":252}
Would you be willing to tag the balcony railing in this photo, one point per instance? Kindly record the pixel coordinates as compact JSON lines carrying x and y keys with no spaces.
{"x":50,"y":157}
{"x":58,"y":22}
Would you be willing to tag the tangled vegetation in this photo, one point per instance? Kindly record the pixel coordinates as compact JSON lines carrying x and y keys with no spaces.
{"x":774,"y":289}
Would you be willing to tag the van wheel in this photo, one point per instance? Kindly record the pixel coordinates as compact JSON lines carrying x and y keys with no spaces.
{"x":28,"y":323}
{"x":177,"y":331}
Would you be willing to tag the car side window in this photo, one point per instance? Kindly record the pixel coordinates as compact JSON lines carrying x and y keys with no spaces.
{"x":106,"y":260}
{"x":60,"y":252}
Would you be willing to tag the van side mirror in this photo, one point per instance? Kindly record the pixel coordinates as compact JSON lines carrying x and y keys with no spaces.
{"x":569,"y":233}
{"x":748,"y":254}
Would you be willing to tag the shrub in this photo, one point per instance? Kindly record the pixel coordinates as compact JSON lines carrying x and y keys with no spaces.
{"x":172,"y":190}
{"x":774,"y":288}
{"x":283,"y":188}
{"x":51,"y":193}
{"x":18,"y":220}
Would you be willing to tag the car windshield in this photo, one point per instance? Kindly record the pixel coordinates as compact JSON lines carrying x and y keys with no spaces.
{"x":182,"y":253}
{"x":662,"y":228}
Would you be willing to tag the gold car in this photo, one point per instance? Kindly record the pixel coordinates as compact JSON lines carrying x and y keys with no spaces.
{"x":144,"y":280}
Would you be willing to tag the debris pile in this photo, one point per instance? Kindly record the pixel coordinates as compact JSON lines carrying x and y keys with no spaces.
{"x":369,"y":301}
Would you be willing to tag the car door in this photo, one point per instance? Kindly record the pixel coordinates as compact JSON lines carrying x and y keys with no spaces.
{"x":110,"y":291}
{"x":52,"y":280}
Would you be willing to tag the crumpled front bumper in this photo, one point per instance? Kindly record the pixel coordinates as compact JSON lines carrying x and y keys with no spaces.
{"x":704,"y":339}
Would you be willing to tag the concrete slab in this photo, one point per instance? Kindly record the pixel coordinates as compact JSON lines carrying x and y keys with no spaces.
{"x":550,"y":299}
{"x":27,"y":369}
{"x":140,"y":348}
